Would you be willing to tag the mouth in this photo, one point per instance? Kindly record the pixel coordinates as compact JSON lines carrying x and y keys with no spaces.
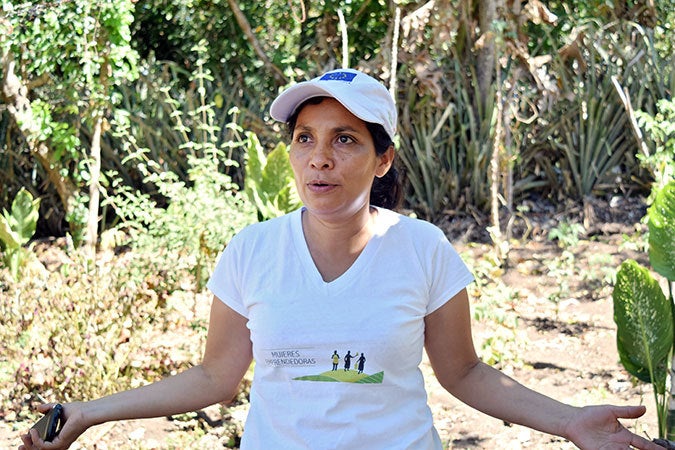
{"x":320,"y":184}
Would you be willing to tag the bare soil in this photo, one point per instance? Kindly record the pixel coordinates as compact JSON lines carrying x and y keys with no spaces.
{"x":565,"y":349}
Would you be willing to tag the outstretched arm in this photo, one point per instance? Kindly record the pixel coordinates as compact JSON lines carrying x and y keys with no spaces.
{"x":452,"y":355}
{"x":226,"y":358}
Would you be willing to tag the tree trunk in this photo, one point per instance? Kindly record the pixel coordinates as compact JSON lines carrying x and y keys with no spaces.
{"x":487,"y":13}
{"x":15,"y":96}
{"x":94,"y":187}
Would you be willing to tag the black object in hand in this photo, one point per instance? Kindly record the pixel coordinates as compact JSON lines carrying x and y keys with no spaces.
{"x":50,"y":424}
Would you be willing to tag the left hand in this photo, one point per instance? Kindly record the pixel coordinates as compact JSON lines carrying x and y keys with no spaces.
{"x":598,"y":428}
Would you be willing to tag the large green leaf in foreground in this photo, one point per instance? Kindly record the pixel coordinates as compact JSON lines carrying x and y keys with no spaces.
{"x":645,"y":325}
{"x":662,"y":232}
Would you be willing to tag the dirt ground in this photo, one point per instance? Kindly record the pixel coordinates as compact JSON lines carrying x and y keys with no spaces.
{"x":565,"y":349}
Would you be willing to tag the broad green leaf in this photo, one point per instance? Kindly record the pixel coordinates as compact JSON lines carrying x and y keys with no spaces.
{"x":662,"y":232}
{"x":644,"y":324}
{"x":288,"y":199}
{"x":269,"y":181}
{"x":25,"y":212}
{"x":277,"y":173}
{"x":7,"y":236}
{"x":255,"y":160}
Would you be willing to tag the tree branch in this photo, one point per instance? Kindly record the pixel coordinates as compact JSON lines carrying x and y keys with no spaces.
{"x":251,"y":38}
{"x":15,"y":95}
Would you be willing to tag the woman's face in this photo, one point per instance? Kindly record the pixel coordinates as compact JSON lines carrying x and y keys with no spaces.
{"x":334,"y":160}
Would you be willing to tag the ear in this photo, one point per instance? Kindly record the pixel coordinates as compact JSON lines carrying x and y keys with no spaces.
{"x":386,"y":161}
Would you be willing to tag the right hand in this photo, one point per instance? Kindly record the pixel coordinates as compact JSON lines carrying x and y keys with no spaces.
{"x":74,"y":425}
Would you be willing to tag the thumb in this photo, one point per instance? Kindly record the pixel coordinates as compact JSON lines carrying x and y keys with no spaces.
{"x":629,"y":412}
{"x":45,"y":407}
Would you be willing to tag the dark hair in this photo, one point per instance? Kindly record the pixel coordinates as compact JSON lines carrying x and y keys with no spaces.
{"x":387,"y":190}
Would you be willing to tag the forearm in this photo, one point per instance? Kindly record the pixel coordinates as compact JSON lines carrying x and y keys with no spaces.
{"x":494,"y":393}
{"x":187,"y":391}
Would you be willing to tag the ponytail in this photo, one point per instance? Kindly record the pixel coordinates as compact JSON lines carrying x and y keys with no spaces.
{"x":387,"y":191}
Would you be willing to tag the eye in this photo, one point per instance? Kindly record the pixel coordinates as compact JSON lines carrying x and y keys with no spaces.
{"x":344,"y":139}
{"x":302,"y":138}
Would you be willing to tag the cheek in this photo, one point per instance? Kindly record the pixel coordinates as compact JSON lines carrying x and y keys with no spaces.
{"x":295,"y":161}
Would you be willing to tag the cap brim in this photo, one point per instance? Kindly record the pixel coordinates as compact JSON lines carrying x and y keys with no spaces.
{"x":287,"y":102}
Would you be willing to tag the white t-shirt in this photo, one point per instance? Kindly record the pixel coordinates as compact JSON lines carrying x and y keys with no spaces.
{"x":337,"y":363}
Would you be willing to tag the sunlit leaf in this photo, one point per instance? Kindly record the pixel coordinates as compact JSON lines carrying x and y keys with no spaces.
{"x":662,"y":232}
{"x":645,"y":324}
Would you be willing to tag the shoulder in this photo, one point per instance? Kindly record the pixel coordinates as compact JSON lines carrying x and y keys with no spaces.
{"x":395,"y":222}
{"x":266,"y":227}
{"x":261,"y":233}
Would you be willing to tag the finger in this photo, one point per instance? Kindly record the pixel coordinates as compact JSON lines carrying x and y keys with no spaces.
{"x":27,"y":442}
{"x":45,"y":407}
{"x":642,"y":443}
{"x":36,"y":440}
{"x":630,"y":412}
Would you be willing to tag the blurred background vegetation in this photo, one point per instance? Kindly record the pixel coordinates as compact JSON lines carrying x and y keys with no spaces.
{"x":134,"y":124}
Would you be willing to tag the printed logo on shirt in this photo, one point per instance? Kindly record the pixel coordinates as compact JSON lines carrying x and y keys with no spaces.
{"x":352,"y":370}
{"x":288,"y":358}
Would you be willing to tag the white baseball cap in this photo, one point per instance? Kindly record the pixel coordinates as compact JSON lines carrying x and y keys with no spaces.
{"x":362,"y":95}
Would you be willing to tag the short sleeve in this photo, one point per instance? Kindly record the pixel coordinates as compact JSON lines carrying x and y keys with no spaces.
{"x":448,"y":274}
{"x":225,"y":282}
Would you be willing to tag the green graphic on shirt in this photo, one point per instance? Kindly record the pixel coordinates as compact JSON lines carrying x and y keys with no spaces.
{"x":349,"y":376}
{"x":346,"y":375}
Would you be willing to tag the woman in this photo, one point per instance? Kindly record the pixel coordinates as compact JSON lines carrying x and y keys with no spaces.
{"x":344,"y":272}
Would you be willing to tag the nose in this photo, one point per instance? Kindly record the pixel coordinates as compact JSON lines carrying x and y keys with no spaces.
{"x":321,"y":157}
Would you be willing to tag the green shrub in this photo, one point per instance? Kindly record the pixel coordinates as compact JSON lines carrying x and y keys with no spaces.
{"x":446,"y":150}
{"x":78,"y":334}
{"x":183,"y":222}
{"x":644,"y":314}
{"x":660,"y":160}
{"x":269,"y":180}
{"x":16,"y":228}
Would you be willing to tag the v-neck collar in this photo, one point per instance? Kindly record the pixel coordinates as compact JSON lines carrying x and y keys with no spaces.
{"x":349,"y":276}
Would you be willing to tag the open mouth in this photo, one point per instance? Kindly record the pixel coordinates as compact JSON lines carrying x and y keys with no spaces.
{"x":320,"y":183}
{"x":320,"y":186}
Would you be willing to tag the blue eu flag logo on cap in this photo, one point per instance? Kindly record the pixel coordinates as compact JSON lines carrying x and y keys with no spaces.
{"x":339,"y":76}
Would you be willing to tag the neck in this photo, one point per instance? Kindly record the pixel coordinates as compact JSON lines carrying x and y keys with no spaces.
{"x":335,"y":245}
{"x":341,"y":233}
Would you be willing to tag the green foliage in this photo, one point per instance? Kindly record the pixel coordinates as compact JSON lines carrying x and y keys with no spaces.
{"x":592,"y":137}
{"x":16,"y":228}
{"x":269,"y":181}
{"x":502,"y":344}
{"x":197,"y":223}
{"x":185,"y":221}
{"x":661,"y":129}
{"x":446,"y":151}
{"x":74,"y":333}
{"x":298,"y":38}
{"x":643,"y":314}
{"x":69,"y":56}
{"x":581,"y":142}
{"x":662,"y":232}
{"x":645,"y":330}
{"x":91,"y":39}
{"x":566,"y":234}
{"x":561,"y":270}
